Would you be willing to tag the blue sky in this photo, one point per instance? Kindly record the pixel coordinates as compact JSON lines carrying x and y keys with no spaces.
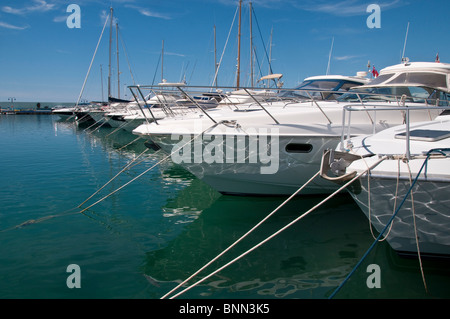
{"x":42,"y":59}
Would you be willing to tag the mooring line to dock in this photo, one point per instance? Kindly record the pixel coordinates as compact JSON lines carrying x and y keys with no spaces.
{"x":36,"y":221}
{"x":92,"y":125}
{"x":121,"y":171}
{"x":243,"y":236}
{"x":277,"y":232}
{"x":98,"y":127}
{"x":149,"y":169}
{"x":135,"y":140}
{"x":387,"y":225}
{"x":121,"y":126}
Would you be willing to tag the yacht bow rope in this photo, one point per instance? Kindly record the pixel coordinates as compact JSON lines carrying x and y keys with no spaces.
{"x":348,"y":182}
{"x":149,"y":169}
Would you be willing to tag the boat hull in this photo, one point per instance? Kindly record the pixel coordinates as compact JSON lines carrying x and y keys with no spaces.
{"x":427,"y":212}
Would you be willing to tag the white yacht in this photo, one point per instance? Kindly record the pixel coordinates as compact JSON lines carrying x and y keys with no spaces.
{"x":274,"y":147}
{"x":404,"y":194}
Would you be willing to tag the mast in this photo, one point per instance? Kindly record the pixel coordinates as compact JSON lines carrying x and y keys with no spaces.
{"x":101,"y":81}
{"x":215,"y":55}
{"x":329,"y":57}
{"x":239,"y":48}
{"x":162,"y":61}
{"x":117,"y":53}
{"x":251,"y":47}
{"x":404,"y":45}
{"x":270,"y":51}
{"x":109,"y":66}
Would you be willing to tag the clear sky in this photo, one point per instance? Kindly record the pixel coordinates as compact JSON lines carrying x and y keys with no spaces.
{"x":42,"y":59}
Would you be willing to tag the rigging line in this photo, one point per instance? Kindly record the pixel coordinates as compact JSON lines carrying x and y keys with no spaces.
{"x":92,"y":61}
{"x":156,"y":69}
{"x":126,"y":55}
{"x":262,"y":40}
{"x":223,"y":52}
{"x":242,"y":237}
{"x":149,"y":169}
{"x":385,"y":227}
{"x":276,"y":233}
{"x":124,"y":169}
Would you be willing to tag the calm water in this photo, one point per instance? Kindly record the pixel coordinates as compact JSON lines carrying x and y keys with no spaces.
{"x":149,"y":236}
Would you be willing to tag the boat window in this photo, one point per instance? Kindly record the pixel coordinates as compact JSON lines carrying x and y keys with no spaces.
{"x":423,"y":78}
{"x":298,"y":148}
{"x":438,"y":98}
{"x":348,"y":85}
{"x":320,"y":85}
{"x":314,"y":86}
{"x":381,"y":78}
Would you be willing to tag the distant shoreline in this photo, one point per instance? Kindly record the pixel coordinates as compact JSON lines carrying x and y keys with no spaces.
{"x":33,"y":105}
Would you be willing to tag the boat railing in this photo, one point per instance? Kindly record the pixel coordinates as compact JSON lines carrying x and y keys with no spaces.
{"x":242,"y":99}
{"x":253,"y":98}
{"x":371,"y":108}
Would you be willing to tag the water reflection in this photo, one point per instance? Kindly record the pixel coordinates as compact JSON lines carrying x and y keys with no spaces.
{"x":306,"y":261}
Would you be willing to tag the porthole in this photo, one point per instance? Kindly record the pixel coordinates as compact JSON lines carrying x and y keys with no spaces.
{"x":298,"y":148}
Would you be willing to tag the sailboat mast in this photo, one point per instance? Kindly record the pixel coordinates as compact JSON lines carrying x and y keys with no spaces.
{"x":109,"y":66}
{"x":251,"y":46}
{"x":101,"y":81}
{"x":270,"y":51}
{"x":162,"y":61}
{"x":239,"y":48}
{"x":329,"y":57}
{"x":117,"y":53}
{"x":404,"y":45}
{"x":215,"y":56}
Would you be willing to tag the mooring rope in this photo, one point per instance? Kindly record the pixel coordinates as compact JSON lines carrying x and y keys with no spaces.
{"x":153,"y":166}
{"x":274,"y":234}
{"x":390,"y":221}
{"x":135,"y":140}
{"x":105,"y":121}
{"x":121,"y":126}
{"x":121,"y":171}
{"x":242,"y":237}
{"x":415,"y":228}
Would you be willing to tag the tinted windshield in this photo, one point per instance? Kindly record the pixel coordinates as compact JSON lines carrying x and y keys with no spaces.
{"x":307,"y":88}
{"x":414,"y":94}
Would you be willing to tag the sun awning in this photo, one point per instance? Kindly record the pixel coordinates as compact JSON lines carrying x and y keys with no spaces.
{"x":271,"y":77}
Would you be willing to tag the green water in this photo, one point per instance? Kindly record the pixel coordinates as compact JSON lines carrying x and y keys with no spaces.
{"x":146,"y":238}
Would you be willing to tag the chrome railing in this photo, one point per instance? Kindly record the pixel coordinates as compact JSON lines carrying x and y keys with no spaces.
{"x":346,"y":127}
{"x":250,"y":98}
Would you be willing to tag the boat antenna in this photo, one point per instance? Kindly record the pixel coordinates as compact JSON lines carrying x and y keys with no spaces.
{"x":329,"y":56}
{"x":404,"y":45}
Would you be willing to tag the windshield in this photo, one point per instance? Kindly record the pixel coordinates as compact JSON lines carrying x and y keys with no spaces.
{"x":414,"y":94}
{"x":311,"y":88}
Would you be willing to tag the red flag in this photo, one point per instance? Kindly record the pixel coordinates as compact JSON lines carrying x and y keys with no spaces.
{"x":437,"y":58}
{"x":374,"y":72}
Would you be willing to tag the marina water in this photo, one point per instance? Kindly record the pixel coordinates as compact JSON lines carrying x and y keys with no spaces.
{"x":143,"y":240}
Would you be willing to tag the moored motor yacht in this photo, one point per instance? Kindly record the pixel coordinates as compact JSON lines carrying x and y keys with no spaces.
{"x":403,"y":184}
{"x":274,"y":147}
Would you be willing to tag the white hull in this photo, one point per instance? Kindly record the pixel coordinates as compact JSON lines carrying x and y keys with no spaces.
{"x":427,"y":209}
{"x":295,"y":168}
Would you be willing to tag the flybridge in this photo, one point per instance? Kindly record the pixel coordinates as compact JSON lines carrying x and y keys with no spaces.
{"x":429,"y":74}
